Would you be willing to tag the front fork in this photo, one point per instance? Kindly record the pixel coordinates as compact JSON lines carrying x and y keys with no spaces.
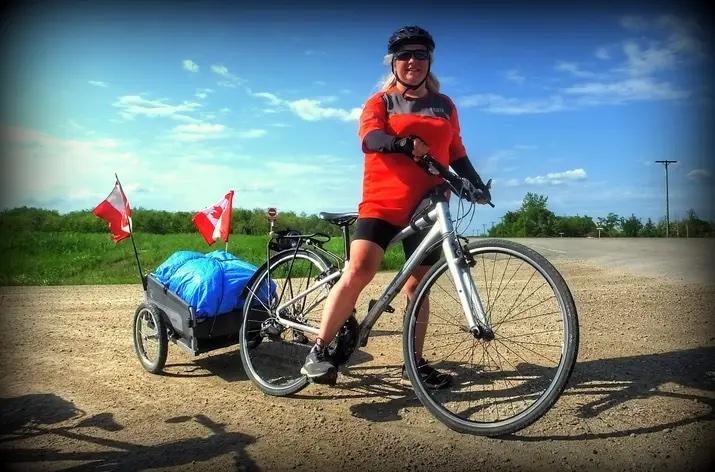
{"x":477,"y":320}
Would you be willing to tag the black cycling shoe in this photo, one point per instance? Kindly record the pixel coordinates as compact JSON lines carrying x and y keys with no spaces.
{"x":319,"y":368}
{"x":431,"y":377}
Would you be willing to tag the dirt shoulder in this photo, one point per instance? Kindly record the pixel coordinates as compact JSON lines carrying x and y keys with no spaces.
{"x":74,"y":395}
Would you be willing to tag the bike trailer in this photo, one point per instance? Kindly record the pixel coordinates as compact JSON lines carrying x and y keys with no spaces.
{"x":165,"y":316}
{"x":195,"y":334}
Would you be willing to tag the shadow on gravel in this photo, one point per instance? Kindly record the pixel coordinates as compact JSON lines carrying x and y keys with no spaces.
{"x":595,"y":388}
{"x":613,"y":382}
{"x":380,"y":384}
{"x":34,"y":419}
{"x":227,"y":366}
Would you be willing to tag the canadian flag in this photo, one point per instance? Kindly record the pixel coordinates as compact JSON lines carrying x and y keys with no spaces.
{"x":214,"y":222}
{"x":115,"y":210}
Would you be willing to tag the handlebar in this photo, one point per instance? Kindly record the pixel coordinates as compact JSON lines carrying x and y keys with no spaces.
{"x":430,"y":165}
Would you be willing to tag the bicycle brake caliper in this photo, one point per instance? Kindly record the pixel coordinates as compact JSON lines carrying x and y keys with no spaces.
{"x":466,"y":256}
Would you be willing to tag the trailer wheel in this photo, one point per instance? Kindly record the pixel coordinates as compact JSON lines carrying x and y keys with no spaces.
{"x":150,"y":339}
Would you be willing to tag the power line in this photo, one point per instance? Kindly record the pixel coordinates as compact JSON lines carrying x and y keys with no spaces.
{"x":667,"y":204}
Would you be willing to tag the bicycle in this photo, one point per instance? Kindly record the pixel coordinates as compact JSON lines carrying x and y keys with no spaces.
{"x":502,"y":320}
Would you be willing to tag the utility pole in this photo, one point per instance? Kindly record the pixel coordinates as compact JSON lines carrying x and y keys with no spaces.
{"x":484,"y":225}
{"x":667,"y":204}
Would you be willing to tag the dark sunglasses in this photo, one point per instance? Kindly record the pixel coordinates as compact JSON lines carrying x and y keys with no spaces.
{"x":407,"y":54}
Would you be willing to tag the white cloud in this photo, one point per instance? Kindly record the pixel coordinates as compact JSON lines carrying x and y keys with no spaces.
{"x":230,"y":80}
{"x":682,"y":35}
{"x":573,"y":69}
{"x":50,"y":172}
{"x":252,"y":133}
{"x":272,"y":99}
{"x":131,"y":106}
{"x":603,"y":53}
{"x":72,"y":174}
{"x":98,"y":83}
{"x":220,"y":70}
{"x":595,"y":93}
{"x":677,"y":41}
{"x":315,"y":52}
{"x":699,"y":175}
{"x":513,"y":75}
{"x":646,"y":61}
{"x":203,"y":92}
{"x":312,"y":109}
{"x":493,"y":103}
{"x":189,"y":65}
{"x":198,"y":132}
{"x":557,"y":178}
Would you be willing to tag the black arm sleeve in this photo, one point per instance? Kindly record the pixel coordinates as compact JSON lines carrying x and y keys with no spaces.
{"x":464,"y":168}
{"x":379,"y":141}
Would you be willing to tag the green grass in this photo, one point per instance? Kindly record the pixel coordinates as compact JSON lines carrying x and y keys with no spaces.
{"x":41,"y":258}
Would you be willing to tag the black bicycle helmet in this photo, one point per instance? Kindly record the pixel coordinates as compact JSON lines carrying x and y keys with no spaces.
{"x":409,"y":35}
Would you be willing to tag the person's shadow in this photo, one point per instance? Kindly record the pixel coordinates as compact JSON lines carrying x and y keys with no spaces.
{"x":29,"y":416}
{"x":606,"y":383}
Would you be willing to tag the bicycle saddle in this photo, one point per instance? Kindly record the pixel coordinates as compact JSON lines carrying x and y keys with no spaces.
{"x":340,"y":219}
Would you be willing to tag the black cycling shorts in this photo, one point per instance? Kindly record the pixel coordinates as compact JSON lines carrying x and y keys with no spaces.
{"x":381,"y":233}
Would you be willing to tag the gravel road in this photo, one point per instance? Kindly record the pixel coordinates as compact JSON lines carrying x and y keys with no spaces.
{"x":642,"y":396}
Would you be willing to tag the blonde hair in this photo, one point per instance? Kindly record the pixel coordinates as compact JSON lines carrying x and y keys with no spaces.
{"x":390,"y":80}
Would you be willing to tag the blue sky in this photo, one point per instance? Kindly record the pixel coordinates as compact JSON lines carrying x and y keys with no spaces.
{"x":188,"y":100}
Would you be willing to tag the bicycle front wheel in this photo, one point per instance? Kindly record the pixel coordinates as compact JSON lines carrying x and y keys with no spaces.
{"x":271,"y":353}
{"x":501,"y":385}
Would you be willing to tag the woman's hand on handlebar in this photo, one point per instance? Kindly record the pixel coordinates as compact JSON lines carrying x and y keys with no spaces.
{"x":412,"y":146}
{"x":419,"y":149}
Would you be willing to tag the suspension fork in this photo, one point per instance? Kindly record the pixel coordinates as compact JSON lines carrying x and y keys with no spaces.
{"x":467,"y":292}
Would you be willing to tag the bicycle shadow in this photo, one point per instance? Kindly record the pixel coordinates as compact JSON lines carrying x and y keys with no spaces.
{"x":612,"y":382}
{"x":226,"y":366}
{"x":375,"y":383}
{"x":640,"y":378}
{"x":28,"y":417}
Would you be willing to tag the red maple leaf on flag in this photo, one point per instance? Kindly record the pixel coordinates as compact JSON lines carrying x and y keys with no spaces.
{"x":214,"y":222}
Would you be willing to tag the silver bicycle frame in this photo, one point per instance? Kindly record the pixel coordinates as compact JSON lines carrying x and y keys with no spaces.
{"x":442,"y":230}
{"x":458,"y":269}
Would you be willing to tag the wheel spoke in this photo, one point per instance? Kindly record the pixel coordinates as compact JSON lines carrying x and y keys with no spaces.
{"x":508,"y":383}
{"x":273,"y":362}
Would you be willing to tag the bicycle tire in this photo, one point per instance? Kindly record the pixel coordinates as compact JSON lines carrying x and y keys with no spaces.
{"x":148,"y":323}
{"x":484,"y":387}
{"x":273,"y":363}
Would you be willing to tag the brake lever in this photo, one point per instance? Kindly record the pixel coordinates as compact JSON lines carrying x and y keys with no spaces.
{"x":489,"y":186}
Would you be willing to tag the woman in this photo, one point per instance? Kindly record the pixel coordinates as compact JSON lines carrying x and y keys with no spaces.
{"x":408,"y":117}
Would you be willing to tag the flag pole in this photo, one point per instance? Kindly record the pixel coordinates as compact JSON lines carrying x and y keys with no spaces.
{"x":131,"y":235}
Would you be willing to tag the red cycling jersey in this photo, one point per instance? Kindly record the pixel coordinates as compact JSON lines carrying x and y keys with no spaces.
{"x":393,"y":185}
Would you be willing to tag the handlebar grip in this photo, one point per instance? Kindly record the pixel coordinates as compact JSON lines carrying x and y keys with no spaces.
{"x":427,"y":162}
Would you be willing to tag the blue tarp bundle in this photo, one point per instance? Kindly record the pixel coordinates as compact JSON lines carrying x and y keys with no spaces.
{"x":210,"y":283}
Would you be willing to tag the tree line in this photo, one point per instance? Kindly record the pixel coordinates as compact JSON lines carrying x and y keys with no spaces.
{"x":243,"y":221}
{"x":532,"y":219}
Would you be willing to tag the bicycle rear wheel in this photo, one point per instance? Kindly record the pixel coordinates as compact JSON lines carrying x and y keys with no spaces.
{"x":272,"y":354}
{"x":501,"y":385}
